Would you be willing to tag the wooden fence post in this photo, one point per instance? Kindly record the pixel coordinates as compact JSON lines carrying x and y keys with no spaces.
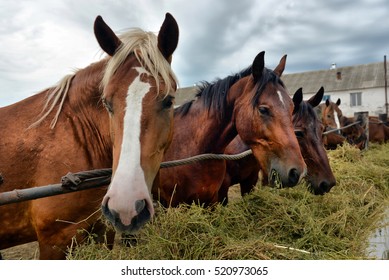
{"x":363,"y":117}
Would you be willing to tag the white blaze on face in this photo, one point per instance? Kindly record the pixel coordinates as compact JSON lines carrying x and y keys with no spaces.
{"x":128,"y":183}
{"x":280,"y":97}
{"x":336,"y":119}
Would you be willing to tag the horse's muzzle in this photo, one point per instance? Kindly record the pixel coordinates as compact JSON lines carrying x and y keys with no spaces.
{"x":323,"y":187}
{"x":137,"y":221}
{"x":292,"y":178}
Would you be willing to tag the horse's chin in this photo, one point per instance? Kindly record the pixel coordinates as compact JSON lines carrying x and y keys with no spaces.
{"x":136,"y":223}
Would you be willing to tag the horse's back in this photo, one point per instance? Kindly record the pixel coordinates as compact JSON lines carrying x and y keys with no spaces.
{"x":378,"y":132}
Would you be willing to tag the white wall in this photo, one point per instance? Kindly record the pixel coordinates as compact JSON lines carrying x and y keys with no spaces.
{"x":373,"y":101}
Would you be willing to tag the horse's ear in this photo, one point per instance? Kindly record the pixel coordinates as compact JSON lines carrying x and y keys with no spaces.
{"x":338,"y":102}
{"x":327,"y":102}
{"x":106,"y":38}
{"x":297,"y":99}
{"x":281,"y":66}
{"x":317,"y":98}
{"x":168,"y":37}
{"x":258,"y":65}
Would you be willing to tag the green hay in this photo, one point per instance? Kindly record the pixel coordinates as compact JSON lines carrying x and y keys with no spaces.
{"x":271,"y":223}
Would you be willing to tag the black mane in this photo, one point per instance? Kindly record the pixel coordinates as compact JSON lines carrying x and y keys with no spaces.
{"x":305,"y":110}
{"x":213,"y":95}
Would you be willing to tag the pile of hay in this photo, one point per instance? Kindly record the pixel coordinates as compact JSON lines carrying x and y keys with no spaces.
{"x":272,"y":223}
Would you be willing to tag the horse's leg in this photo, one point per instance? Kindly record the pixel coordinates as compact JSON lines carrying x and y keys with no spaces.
{"x":386,"y":133}
{"x":265,"y":179}
{"x":56,"y":245}
{"x":248,"y":184}
{"x":63,"y":220}
{"x":223,"y":191}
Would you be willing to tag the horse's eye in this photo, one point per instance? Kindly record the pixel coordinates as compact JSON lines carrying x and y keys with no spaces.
{"x":299,"y":133}
{"x":107,"y":105}
{"x":264,"y":110}
{"x":167,"y":102}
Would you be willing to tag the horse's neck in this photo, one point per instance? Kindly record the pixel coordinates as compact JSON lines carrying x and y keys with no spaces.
{"x":84,"y":110}
{"x":202,"y":130}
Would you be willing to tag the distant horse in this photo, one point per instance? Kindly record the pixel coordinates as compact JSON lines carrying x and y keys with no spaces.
{"x":254,"y":104}
{"x":328,"y":116}
{"x":308,"y":129}
{"x":75,"y":132}
{"x":354,"y":134}
{"x":333,"y":118}
{"x":378,"y":130}
{"x":333,"y":140}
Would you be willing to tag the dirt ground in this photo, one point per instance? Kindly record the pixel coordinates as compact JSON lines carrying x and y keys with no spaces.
{"x":27,"y":251}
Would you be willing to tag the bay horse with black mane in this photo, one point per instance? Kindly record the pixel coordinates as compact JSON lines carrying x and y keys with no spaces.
{"x":114,"y":113}
{"x":254,"y":104}
{"x":354,"y":134}
{"x":333,"y":118}
{"x":308,"y":129}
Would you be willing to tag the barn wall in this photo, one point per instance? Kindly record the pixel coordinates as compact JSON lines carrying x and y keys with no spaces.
{"x":373,"y":101}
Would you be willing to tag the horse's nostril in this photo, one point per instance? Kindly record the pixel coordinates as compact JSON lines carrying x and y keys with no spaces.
{"x":294,"y":176}
{"x":140,"y":205}
{"x":326,"y":186}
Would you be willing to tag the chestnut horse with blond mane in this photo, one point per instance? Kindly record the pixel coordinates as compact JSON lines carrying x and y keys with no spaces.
{"x":114,"y":113}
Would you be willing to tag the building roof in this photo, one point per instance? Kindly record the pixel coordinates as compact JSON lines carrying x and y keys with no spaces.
{"x":348,"y":78}
{"x":185,"y":94}
{"x":337,"y":79}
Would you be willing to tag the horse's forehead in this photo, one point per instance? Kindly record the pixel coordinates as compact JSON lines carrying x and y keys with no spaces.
{"x":129,"y":82}
{"x":279,"y":93}
{"x":329,"y":109}
{"x":280,"y":97}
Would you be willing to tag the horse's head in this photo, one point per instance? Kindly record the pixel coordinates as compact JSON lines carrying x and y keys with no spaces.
{"x":354,"y":134}
{"x":263,"y":119}
{"x":309,"y":132}
{"x":138,"y":87}
{"x":330,"y":114}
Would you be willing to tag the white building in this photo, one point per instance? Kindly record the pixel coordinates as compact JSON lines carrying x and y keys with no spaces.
{"x":360,"y":87}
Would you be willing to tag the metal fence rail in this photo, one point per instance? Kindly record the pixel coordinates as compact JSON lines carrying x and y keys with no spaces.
{"x":95,"y":178}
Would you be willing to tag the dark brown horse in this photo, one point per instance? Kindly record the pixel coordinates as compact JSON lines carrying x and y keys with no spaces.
{"x":378,"y":130}
{"x":254,"y":104}
{"x":308,"y":130}
{"x":354,"y":134}
{"x":75,"y":132}
{"x":332,"y":140}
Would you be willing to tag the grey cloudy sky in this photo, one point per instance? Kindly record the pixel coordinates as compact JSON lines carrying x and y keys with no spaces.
{"x":43,"y":40}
